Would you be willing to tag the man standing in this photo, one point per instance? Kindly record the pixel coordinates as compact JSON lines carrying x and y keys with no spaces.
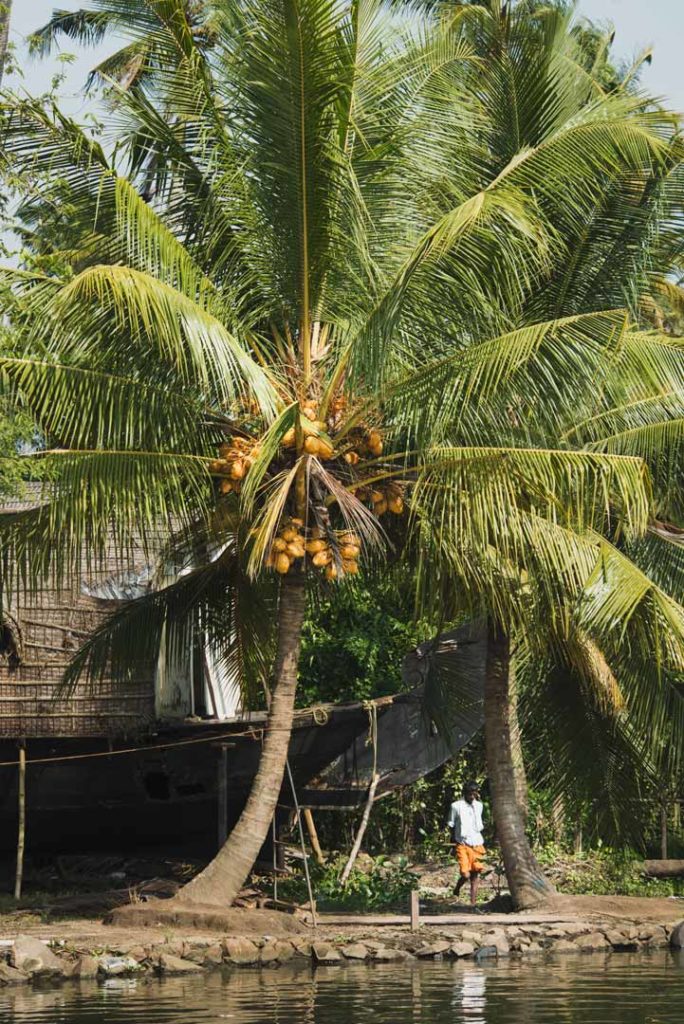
{"x":465,"y":822}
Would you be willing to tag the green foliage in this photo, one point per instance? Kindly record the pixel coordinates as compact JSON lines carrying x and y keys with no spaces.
{"x":381,"y":883}
{"x":354,"y":643}
{"x":605,"y":872}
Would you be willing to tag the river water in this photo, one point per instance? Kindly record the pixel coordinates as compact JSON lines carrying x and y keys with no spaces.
{"x":582,"y":989}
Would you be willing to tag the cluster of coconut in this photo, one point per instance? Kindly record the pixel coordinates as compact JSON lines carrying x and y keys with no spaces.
{"x":236,"y":457}
{"x":389,"y":499}
{"x":322,"y":555}
{"x":368,"y":441}
{"x":287,"y":547}
{"x":291,"y":544}
{"x":312,"y":428}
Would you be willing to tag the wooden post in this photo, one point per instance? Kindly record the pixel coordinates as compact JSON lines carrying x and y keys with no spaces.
{"x":222,"y":795}
{"x":21,"y":807}
{"x":313,"y":835}
{"x":663,"y":832}
{"x":414,"y":910}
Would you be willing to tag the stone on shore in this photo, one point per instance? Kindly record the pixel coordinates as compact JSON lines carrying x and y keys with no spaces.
{"x":34,"y":957}
{"x":621,"y":942}
{"x":677,"y":936}
{"x":11,"y":976}
{"x":592,"y":942}
{"x":356,"y":951}
{"x":487,"y":953}
{"x":86,"y":967}
{"x":384,"y":955}
{"x":433,"y":949}
{"x":325,"y":954}
{"x":169,"y":964}
{"x":241,"y":951}
{"x":462,"y":949}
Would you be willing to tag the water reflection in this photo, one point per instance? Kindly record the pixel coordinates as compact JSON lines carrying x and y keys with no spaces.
{"x":617,"y":989}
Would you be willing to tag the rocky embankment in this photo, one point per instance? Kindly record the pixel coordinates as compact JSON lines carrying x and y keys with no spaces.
{"x":31,"y":960}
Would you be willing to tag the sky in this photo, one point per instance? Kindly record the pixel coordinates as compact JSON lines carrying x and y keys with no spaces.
{"x":638,"y":23}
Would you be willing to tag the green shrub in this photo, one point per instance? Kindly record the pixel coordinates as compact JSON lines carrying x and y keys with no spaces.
{"x":383,"y":883}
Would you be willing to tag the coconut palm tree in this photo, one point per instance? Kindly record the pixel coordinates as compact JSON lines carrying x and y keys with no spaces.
{"x":297,"y":334}
{"x":5,"y":15}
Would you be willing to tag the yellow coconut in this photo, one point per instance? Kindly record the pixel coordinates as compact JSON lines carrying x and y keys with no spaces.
{"x":331,"y":572}
{"x":215,"y":466}
{"x":225,"y":487}
{"x":396,"y":505}
{"x":288,"y":534}
{"x":351,"y":458}
{"x":312,"y":445}
{"x":350,"y":538}
{"x":325,"y":450}
{"x":377,"y":496}
{"x":314,"y":546}
{"x":237,"y":470}
{"x":350,"y":551}
{"x":279,"y":544}
{"x":350,"y":567}
{"x":288,"y":438}
{"x":282,"y":563}
{"x":375,"y":449}
{"x":380,"y":507}
{"x":321,"y":558}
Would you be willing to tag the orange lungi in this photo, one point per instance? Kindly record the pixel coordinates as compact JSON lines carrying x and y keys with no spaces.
{"x":469,"y":858}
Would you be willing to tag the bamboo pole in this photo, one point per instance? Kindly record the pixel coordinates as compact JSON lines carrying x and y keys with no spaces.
{"x":313,"y":835}
{"x":362,"y":830}
{"x":298,"y":810}
{"x":21,"y":807}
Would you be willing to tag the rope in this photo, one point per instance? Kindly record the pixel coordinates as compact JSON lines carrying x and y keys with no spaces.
{"x":321,"y":716}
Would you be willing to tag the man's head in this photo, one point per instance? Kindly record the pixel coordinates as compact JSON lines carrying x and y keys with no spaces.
{"x":471,"y":791}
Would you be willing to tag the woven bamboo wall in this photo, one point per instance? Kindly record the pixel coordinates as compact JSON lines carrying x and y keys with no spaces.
{"x":51,"y":626}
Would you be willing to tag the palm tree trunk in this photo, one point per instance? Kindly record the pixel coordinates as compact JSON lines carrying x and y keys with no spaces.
{"x":519,"y":772}
{"x":5,"y":12}
{"x":223,"y":878}
{"x":526,"y":882}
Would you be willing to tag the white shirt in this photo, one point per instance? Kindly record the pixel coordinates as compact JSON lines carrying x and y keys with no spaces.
{"x":466,"y":821}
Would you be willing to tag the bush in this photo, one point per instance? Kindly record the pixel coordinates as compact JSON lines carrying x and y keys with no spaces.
{"x":381,"y":883}
{"x":604,"y":872}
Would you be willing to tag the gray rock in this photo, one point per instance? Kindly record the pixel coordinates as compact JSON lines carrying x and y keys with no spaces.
{"x":85,"y":967}
{"x":241,"y":951}
{"x":621,"y":942}
{"x":355,"y":951}
{"x":117,"y":966}
{"x":212,"y":956}
{"x":34,"y":957}
{"x":169,"y":964}
{"x":533,"y":948}
{"x":564,"y":946}
{"x":384,"y":955}
{"x":487,"y":953}
{"x":461,"y":949}
{"x":677,"y":936}
{"x":302,"y":947}
{"x":433,"y":949}
{"x":591,"y":942}
{"x":285,"y":950}
{"x":11,"y":976}
{"x":325,"y":954}
{"x":268,"y":953}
